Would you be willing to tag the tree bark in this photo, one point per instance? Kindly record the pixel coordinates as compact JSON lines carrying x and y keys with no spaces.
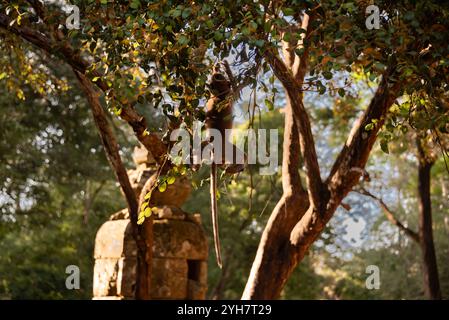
{"x":290,"y":208}
{"x":143,"y":235}
{"x":264,"y":281}
{"x":429,"y":263}
{"x":297,"y":221}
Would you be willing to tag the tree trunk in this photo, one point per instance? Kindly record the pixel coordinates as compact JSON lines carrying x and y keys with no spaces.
{"x":264,"y":282}
{"x":143,"y":234}
{"x":300,"y":217}
{"x":290,"y":208}
{"x":429,"y":263}
{"x":144,"y":259}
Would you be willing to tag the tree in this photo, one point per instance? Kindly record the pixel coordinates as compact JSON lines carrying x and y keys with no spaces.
{"x":390,"y":244}
{"x":55,"y":188}
{"x":424,"y":237}
{"x":173,"y":44}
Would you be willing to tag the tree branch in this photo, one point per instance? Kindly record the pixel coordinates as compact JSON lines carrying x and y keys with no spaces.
{"x":110,"y":144}
{"x":390,"y":215}
{"x":291,"y":181}
{"x":350,"y":163}
{"x":151,"y":141}
{"x":298,"y":64}
{"x":144,"y":243}
{"x":293,"y":88}
{"x":345,"y":173}
{"x":38,"y":7}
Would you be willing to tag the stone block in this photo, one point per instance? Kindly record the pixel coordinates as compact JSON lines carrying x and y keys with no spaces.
{"x":169,"y":279}
{"x":126,"y":279}
{"x":114,"y":240}
{"x":176,"y":194}
{"x":105,"y":277}
{"x":116,"y":277}
{"x":179,"y":239}
{"x":196,"y":290}
{"x":169,"y":212}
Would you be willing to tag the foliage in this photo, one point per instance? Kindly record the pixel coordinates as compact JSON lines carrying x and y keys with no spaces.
{"x":157,"y":57}
{"x":56,"y":190}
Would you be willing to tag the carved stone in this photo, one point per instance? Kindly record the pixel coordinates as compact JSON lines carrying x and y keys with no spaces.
{"x":179,"y":249}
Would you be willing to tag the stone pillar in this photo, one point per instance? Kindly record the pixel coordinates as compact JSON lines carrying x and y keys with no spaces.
{"x":179,"y":250}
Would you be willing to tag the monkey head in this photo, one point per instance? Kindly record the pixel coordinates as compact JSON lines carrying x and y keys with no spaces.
{"x":219,"y":85}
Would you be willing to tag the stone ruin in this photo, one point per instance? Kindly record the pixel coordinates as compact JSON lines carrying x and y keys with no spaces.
{"x":179,"y":249}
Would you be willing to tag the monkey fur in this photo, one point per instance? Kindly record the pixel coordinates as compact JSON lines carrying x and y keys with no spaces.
{"x":219,"y":109}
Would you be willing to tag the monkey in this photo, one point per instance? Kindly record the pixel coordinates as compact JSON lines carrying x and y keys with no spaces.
{"x":219,"y":116}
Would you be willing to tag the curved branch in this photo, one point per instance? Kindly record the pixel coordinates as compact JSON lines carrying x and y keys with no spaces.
{"x":144,"y":235}
{"x":110,"y":144}
{"x":350,"y":163}
{"x":151,"y":141}
{"x":292,"y":86}
{"x":291,"y":180}
{"x":390,"y":215}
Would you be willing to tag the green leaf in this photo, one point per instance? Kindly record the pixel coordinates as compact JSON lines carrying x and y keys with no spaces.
{"x":147,"y":212}
{"x":259,"y":43}
{"x":171,"y":180}
{"x":288,"y":11}
{"x":246,"y":31}
{"x":182,"y":40}
{"x":176,"y":13}
{"x":135,"y":4}
{"x":341,"y":92}
{"x":162,"y":187}
{"x":369,"y":127}
{"x":186,"y":13}
{"x":147,"y":196}
{"x":300,"y":51}
{"x":269,"y":104}
{"x":384,"y":146}
{"x":327,"y":75}
{"x":141,"y":220}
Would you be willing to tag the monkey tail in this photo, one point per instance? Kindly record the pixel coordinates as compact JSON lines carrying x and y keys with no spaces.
{"x":213,"y":200}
